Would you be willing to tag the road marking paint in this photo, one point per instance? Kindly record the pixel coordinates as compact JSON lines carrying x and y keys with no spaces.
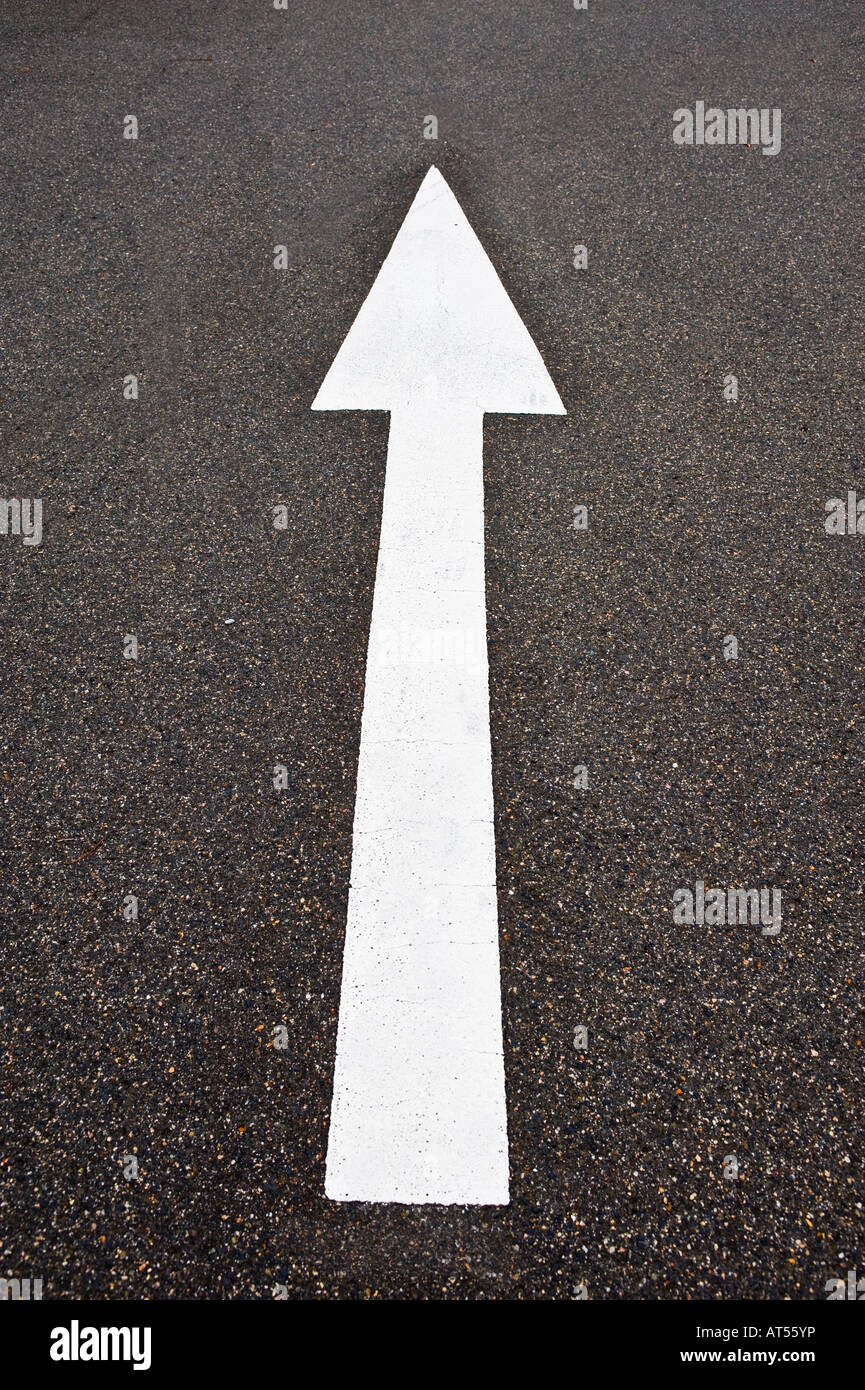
{"x":418,"y":1110}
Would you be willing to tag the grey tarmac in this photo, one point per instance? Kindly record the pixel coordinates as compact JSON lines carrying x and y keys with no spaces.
{"x":153,"y":1038}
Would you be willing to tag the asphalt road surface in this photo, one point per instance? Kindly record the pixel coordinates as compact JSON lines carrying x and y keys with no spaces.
{"x":153,"y":1039}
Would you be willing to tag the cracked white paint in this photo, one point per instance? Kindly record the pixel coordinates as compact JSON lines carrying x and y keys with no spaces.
{"x":418,"y":1109}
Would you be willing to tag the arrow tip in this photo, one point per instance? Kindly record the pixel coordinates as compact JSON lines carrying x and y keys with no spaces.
{"x":438,"y":326}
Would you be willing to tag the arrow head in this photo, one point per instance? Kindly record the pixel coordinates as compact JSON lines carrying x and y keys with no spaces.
{"x":438,"y":325}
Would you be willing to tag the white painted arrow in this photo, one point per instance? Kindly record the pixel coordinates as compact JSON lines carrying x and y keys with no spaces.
{"x":418,"y":1109}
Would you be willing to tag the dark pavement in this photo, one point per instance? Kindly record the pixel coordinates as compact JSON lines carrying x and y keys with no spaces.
{"x":154,"y":1038}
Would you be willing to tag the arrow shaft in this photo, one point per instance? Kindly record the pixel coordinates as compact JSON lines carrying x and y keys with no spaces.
{"x":418,"y":1111}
